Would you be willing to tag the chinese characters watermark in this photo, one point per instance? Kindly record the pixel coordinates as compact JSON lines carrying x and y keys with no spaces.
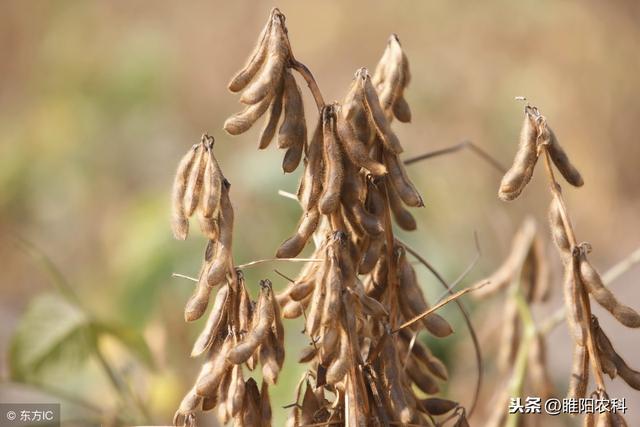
{"x":553,"y":406}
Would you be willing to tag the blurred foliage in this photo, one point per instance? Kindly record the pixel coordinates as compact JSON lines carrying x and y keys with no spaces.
{"x":98,"y":100}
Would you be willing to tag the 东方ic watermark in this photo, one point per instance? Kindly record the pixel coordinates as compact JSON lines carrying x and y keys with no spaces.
{"x":29,"y":414}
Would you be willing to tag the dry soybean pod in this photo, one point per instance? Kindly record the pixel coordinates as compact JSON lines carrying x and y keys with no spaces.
{"x":394,"y":78}
{"x":590,"y":277}
{"x":296,"y":243}
{"x":209,"y":226}
{"x":353,"y":200}
{"x":340,"y":365}
{"x":420,"y":378}
{"x":293,"y":130}
{"x":179,"y":219}
{"x":401,"y":215}
{"x":273,"y":117}
{"x":310,"y":186}
{"x":196,"y":180}
{"x":580,"y":366}
{"x":629,"y":375}
{"x":333,"y":291}
{"x":220,"y":266}
{"x":255,"y":61}
{"x":265,"y":406}
{"x":400,"y":180}
{"x":559,"y":232}
{"x":562,"y":162}
{"x":380,"y":122}
{"x":214,"y":322}
{"x":333,"y":168}
{"x":251,"y":415}
{"x":393,"y":383}
{"x":207,"y":385}
{"x":242,"y":351}
{"x":212,"y":184}
{"x":236,"y":391}
{"x":268,"y":359}
{"x":357,"y":150}
{"x":314,"y":315}
{"x":271,"y":72}
{"x":606,"y":352}
{"x":242,"y":121}
{"x":197,"y":303}
{"x":437,"y":406}
{"x":292,"y":157}
{"x":519,"y":175}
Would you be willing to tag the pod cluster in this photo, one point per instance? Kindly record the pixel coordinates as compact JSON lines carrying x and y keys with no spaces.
{"x":582,"y":280}
{"x":359,"y":286}
{"x":268,"y":87}
{"x":239,"y":332}
{"x":197,"y":190}
{"x":535,"y":133}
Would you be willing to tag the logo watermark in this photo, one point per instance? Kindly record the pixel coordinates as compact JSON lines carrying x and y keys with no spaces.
{"x":29,"y":414}
{"x":553,"y":406}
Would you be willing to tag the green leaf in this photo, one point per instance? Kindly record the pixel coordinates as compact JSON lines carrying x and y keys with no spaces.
{"x":53,"y":333}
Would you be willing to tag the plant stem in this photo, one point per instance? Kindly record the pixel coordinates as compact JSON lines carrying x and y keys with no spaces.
{"x":584,"y":297}
{"x":455,"y":148}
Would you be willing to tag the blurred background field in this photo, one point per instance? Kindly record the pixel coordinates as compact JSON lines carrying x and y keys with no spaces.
{"x":98,"y":100}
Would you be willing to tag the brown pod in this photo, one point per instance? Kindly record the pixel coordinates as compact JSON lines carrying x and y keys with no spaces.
{"x":302,"y":289}
{"x":236,"y":391}
{"x":401,"y":215}
{"x":268,"y":359}
{"x":307,"y":354}
{"x":188,"y":406}
{"x":214,"y":323}
{"x":340,"y":365}
{"x":333,"y":168}
{"x":242,"y":121}
{"x":265,"y":406}
{"x":310,"y":186}
{"x":333,"y":292}
{"x":401,"y":110}
{"x":355,"y":113}
{"x":558,"y":231}
{"x":271,"y":72}
{"x":562,"y":162}
{"x":353,"y":194}
{"x":209,"y":227}
{"x":355,"y":149}
{"x":296,"y":243}
{"x":255,"y":61}
{"x":572,"y":298}
{"x":207,"y":384}
{"x":222,"y":262}
{"x":590,"y":277}
{"x":278,"y":330}
{"x":401,"y":182}
{"x":212,"y":184}
{"x":421,"y":379}
{"x":273,"y":117}
{"x":629,"y":375}
{"x":242,"y":351}
{"x":293,"y":130}
{"x":411,"y":296}
{"x":179,"y":219}
{"x":295,"y":309}
{"x":437,"y":406}
{"x":392,"y":382}
{"x":251,"y":413}
{"x":519,"y":175}
{"x":292,"y":158}
{"x":314,"y":315}
{"x":579,"y":373}
{"x":389,"y":138}
{"x":424,"y":356}
{"x":371,"y":255}
{"x":197,"y":303}
{"x":196,"y":181}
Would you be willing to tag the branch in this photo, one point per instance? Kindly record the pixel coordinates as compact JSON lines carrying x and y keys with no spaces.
{"x":439,"y":305}
{"x":457,"y":147}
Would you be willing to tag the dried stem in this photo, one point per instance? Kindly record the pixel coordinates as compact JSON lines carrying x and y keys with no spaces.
{"x":457,"y":147}
{"x":439,"y":305}
{"x":311,"y":81}
{"x":584,"y":297}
